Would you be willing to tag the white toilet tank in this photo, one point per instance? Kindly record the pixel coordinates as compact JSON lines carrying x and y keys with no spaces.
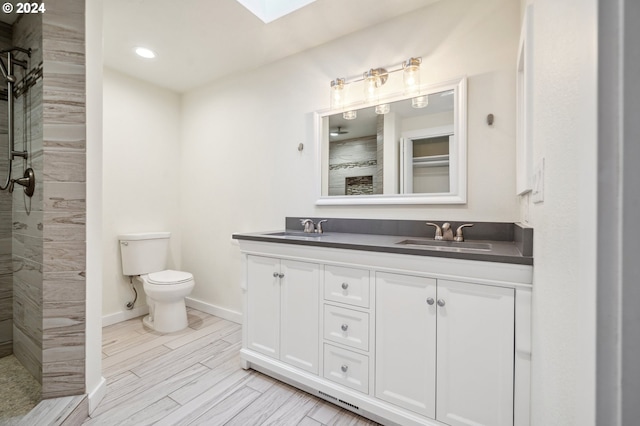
{"x":144,"y":253}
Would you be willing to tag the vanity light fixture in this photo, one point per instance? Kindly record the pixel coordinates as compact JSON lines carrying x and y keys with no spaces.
{"x":143,"y":52}
{"x":372,"y":81}
{"x":420,"y":101}
{"x":382,"y":109}
{"x":411,"y":75}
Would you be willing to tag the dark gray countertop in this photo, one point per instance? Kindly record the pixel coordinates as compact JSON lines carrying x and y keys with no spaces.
{"x":500,"y":251}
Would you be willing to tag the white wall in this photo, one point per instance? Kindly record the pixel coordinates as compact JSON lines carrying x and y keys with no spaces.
{"x":94,"y":382}
{"x":565,"y":135}
{"x":141,"y":161}
{"x":241,"y":170}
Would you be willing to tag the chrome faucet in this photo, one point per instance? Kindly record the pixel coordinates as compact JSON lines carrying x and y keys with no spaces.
{"x":446,"y":233}
{"x":309,"y":227}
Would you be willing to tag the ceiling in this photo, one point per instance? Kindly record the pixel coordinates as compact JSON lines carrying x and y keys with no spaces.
{"x":199,"y":41}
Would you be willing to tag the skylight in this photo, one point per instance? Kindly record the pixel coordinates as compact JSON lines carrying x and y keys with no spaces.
{"x":270,"y":10}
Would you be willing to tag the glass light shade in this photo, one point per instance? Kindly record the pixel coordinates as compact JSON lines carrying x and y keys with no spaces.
{"x":382,"y":109}
{"x":371,"y":88}
{"x":411,"y":75}
{"x":420,"y":101}
{"x":349,"y":115}
{"x":337,"y":93}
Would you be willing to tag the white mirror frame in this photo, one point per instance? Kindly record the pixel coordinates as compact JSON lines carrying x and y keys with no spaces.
{"x":458,"y":184}
{"x":524,"y":104}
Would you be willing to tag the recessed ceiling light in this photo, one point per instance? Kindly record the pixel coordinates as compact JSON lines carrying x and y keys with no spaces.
{"x":143,"y":52}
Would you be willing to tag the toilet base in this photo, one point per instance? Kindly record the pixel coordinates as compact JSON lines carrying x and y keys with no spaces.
{"x":167,"y":317}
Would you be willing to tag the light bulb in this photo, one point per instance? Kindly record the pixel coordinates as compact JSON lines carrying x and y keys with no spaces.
{"x":411,"y":75}
{"x":370,"y":89}
{"x":337,"y":93}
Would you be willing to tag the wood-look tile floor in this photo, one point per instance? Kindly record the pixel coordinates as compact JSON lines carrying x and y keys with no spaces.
{"x":193,"y":377}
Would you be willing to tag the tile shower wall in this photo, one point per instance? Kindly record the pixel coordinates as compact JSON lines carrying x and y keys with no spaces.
{"x":64,"y":199}
{"x":6,"y":275}
{"x":353,"y":158}
{"x":27,"y":212}
{"x":49,"y":229}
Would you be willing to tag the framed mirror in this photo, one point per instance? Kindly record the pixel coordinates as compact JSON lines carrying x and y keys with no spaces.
{"x":404,"y":150}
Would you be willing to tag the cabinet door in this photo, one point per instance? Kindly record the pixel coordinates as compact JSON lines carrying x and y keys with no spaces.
{"x":263,"y":305}
{"x":475,"y":354}
{"x":405,"y":342}
{"x":299,"y":322}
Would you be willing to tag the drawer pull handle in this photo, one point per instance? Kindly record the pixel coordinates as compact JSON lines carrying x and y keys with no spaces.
{"x":345,"y":286}
{"x":344,"y":327}
{"x":441,"y":302}
{"x":430,"y":301}
{"x":344,"y":368}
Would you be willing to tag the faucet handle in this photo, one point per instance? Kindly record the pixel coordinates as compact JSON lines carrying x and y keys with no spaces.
{"x":319,"y":229}
{"x":459,"y":237}
{"x":438,"y":231}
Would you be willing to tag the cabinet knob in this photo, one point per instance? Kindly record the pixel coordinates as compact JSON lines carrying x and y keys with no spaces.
{"x":275,"y":275}
{"x":344,"y":327}
{"x":441,"y":302}
{"x":344,"y":368}
{"x":430,"y":301}
{"x":280,"y":275}
{"x":345,"y":286}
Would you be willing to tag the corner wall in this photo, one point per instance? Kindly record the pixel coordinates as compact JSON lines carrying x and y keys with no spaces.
{"x":141,"y":189}
{"x":64,"y":199}
{"x":564,"y":134}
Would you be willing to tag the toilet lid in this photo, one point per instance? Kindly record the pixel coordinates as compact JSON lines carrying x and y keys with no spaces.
{"x":169,"y":277}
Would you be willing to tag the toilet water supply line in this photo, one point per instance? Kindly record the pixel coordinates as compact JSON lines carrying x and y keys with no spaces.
{"x":130,"y":305}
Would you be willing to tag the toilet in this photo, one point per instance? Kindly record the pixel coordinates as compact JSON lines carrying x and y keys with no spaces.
{"x":144,"y":255}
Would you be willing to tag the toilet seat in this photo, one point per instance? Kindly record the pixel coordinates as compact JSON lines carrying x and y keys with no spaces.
{"x":169,"y":277}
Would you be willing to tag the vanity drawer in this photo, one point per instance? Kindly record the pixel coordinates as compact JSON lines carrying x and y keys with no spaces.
{"x":346,"y":368}
{"x":346,"y":326}
{"x":346,"y":285}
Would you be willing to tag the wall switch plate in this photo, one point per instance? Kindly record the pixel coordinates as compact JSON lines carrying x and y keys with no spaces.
{"x":537,"y":193}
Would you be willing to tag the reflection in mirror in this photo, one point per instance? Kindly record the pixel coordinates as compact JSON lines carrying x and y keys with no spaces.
{"x":410,"y":154}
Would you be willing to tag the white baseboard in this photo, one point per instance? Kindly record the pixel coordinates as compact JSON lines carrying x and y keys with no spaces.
{"x":96,"y":395}
{"x":124,"y":315}
{"x":223,"y":313}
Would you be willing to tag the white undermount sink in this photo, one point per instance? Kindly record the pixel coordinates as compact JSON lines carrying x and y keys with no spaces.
{"x":447,"y":245}
{"x":295,"y":234}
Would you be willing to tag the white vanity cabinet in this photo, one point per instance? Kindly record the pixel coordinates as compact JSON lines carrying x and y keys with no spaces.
{"x":475,"y":354}
{"x":445,"y":338}
{"x":401,"y":339}
{"x":282,"y":309}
